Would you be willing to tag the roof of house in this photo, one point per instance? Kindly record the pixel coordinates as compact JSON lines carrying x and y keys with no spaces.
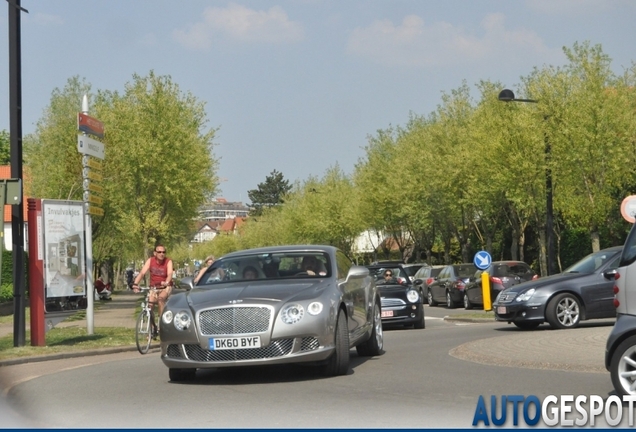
{"x":230,"y":225}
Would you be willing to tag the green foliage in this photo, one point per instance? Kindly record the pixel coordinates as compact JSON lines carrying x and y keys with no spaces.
{"x":6,"y":289}
{"x":269,"y":193}
{"x":6,"y":292}
{"x":5,"y":148}
{"x":158,"y":168}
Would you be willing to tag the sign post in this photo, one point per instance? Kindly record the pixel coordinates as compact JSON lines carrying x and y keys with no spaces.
{"x":482,"y":261}
{"x":90,"y":148}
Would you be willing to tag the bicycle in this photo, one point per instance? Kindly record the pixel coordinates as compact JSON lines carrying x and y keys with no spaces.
{"x":146,"y":328}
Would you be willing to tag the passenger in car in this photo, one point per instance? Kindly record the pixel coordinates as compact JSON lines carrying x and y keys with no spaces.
{"x":250,"y":272}
{"x":313,"y":266}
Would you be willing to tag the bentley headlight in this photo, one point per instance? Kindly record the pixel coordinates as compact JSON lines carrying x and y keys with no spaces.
{"x":292,"y":313}
{"x":526,"y":295}
{"x":314,"y":308}
{"x":167,"y":317}
{"x":182,"y":320}
{"x":412,"y":296}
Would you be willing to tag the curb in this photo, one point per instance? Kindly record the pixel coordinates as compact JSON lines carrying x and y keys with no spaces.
{"x":67,"y":355}
{"x":470,"y":320}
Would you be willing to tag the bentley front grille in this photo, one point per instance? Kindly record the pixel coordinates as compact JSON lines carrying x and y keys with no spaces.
{"x":173,"y":351}
{"x":278,"y":348}
{"x":309,"y":344}
{"x":234,"y":320}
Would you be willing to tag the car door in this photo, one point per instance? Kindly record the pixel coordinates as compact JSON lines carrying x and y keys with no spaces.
{"x":354,"y":294}
{"x":598,"y":294}
{"x":438,"y":287}
{"x":474,"y":290}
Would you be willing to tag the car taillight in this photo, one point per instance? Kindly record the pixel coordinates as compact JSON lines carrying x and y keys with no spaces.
{"x":616,"y":302}
{"x":617,"y":276}
{"x":460,"y":285}
{"x":616,"y":290}
{"x":429,"y":281}
{"x":495,"y":280}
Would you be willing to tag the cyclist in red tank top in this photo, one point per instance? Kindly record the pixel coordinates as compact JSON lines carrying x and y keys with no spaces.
{"x":159,"y":267}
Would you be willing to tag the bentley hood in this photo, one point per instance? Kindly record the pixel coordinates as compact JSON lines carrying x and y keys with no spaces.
{"x":269,"y":292}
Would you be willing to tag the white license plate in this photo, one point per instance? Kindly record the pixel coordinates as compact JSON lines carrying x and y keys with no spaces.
{"x":501,"y":310}
{"x":387,"y":314}
{"x":217,"y":344}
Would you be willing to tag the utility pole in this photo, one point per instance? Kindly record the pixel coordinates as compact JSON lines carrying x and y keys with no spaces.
{"x":15,"y":133}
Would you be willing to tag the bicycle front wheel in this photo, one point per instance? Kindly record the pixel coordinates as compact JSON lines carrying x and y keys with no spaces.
{"x":143,"y":333}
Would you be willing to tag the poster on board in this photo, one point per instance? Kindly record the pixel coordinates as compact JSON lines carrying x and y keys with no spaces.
{"x":63,"y":248}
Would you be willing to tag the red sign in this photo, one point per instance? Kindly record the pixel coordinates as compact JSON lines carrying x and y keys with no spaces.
{"x":90,"y":125}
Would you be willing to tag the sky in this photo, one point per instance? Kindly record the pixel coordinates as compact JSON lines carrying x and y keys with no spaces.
{"x":300,"y":86}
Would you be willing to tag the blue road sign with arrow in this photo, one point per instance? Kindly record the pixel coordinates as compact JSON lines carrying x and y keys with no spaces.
{"x":482,"y":260}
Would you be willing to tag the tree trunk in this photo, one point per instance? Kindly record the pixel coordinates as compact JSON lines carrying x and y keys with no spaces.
{"x":596,"y":241}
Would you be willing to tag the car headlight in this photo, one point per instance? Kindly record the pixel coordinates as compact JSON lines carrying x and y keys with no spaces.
{"x":413,"y":296}
{"x":314,"y":308}
{"x":167,"y":317}
{"x":526,"y":295}
{"x":292,"y":313}
{"x":182,"y":320}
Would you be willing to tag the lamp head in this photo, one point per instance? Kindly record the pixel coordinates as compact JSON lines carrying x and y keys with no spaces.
{"x":506,"y":95}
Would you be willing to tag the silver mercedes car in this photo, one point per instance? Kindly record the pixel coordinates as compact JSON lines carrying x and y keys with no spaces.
{"x":283,"y":304}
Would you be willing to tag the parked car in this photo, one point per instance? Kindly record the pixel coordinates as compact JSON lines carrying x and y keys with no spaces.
{"x":306,"y":304}
{"x":412,"y":268}
{"x":401,"y":301}
{"x":501,"y":275}
{"x":583,"y":291}
{"x":448,"y":286}
{"x":425,"y":276}
{"x":620,"y":348}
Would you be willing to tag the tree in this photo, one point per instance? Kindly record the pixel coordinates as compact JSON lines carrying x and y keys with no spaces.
{"x":158,"y":167}
{"x":5,"y":148}
{"x":159,"y":163}
{"x":269,"y":193}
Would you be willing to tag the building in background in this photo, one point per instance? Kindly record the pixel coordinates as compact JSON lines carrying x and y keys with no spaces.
{"x":220,"y":209}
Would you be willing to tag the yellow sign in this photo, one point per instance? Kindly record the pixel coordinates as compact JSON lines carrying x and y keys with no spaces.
{"x":93,"y":187}
{"x":94,"y":176}
{"x":95,"y":199}
{"x":95,"y":211}
{"x":95,"y":164}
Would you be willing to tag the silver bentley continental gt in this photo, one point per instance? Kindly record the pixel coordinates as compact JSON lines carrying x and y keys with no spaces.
{"x":273,"y":305}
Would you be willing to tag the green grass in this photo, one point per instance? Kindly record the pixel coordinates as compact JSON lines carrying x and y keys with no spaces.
{"x":476,"y":314}
{"x":68,"y":339}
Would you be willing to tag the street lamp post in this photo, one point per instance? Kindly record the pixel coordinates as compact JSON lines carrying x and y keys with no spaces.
{"x":508,"y":96}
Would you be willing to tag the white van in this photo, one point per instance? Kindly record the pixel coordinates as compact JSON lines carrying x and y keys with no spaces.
{"x":620,"y":350}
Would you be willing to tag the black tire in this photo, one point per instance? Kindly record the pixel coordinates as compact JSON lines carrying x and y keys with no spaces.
{"x":429,"y":297}
{"x":467,"y":304}
{"x":143,"y":332}
{"x":375,"y":344}
{"x":622,"y":367}
{"x":420,"y":323}
{"x":523,"y":325}
{"x":450,"y":304}
{"x":181,"y":374}
{"x":338,"y":363}
{"x":563,"y":311}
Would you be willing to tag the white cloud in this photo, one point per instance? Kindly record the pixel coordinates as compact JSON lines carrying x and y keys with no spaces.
{"x":417,"y":44}
{"x":236,"y":22}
